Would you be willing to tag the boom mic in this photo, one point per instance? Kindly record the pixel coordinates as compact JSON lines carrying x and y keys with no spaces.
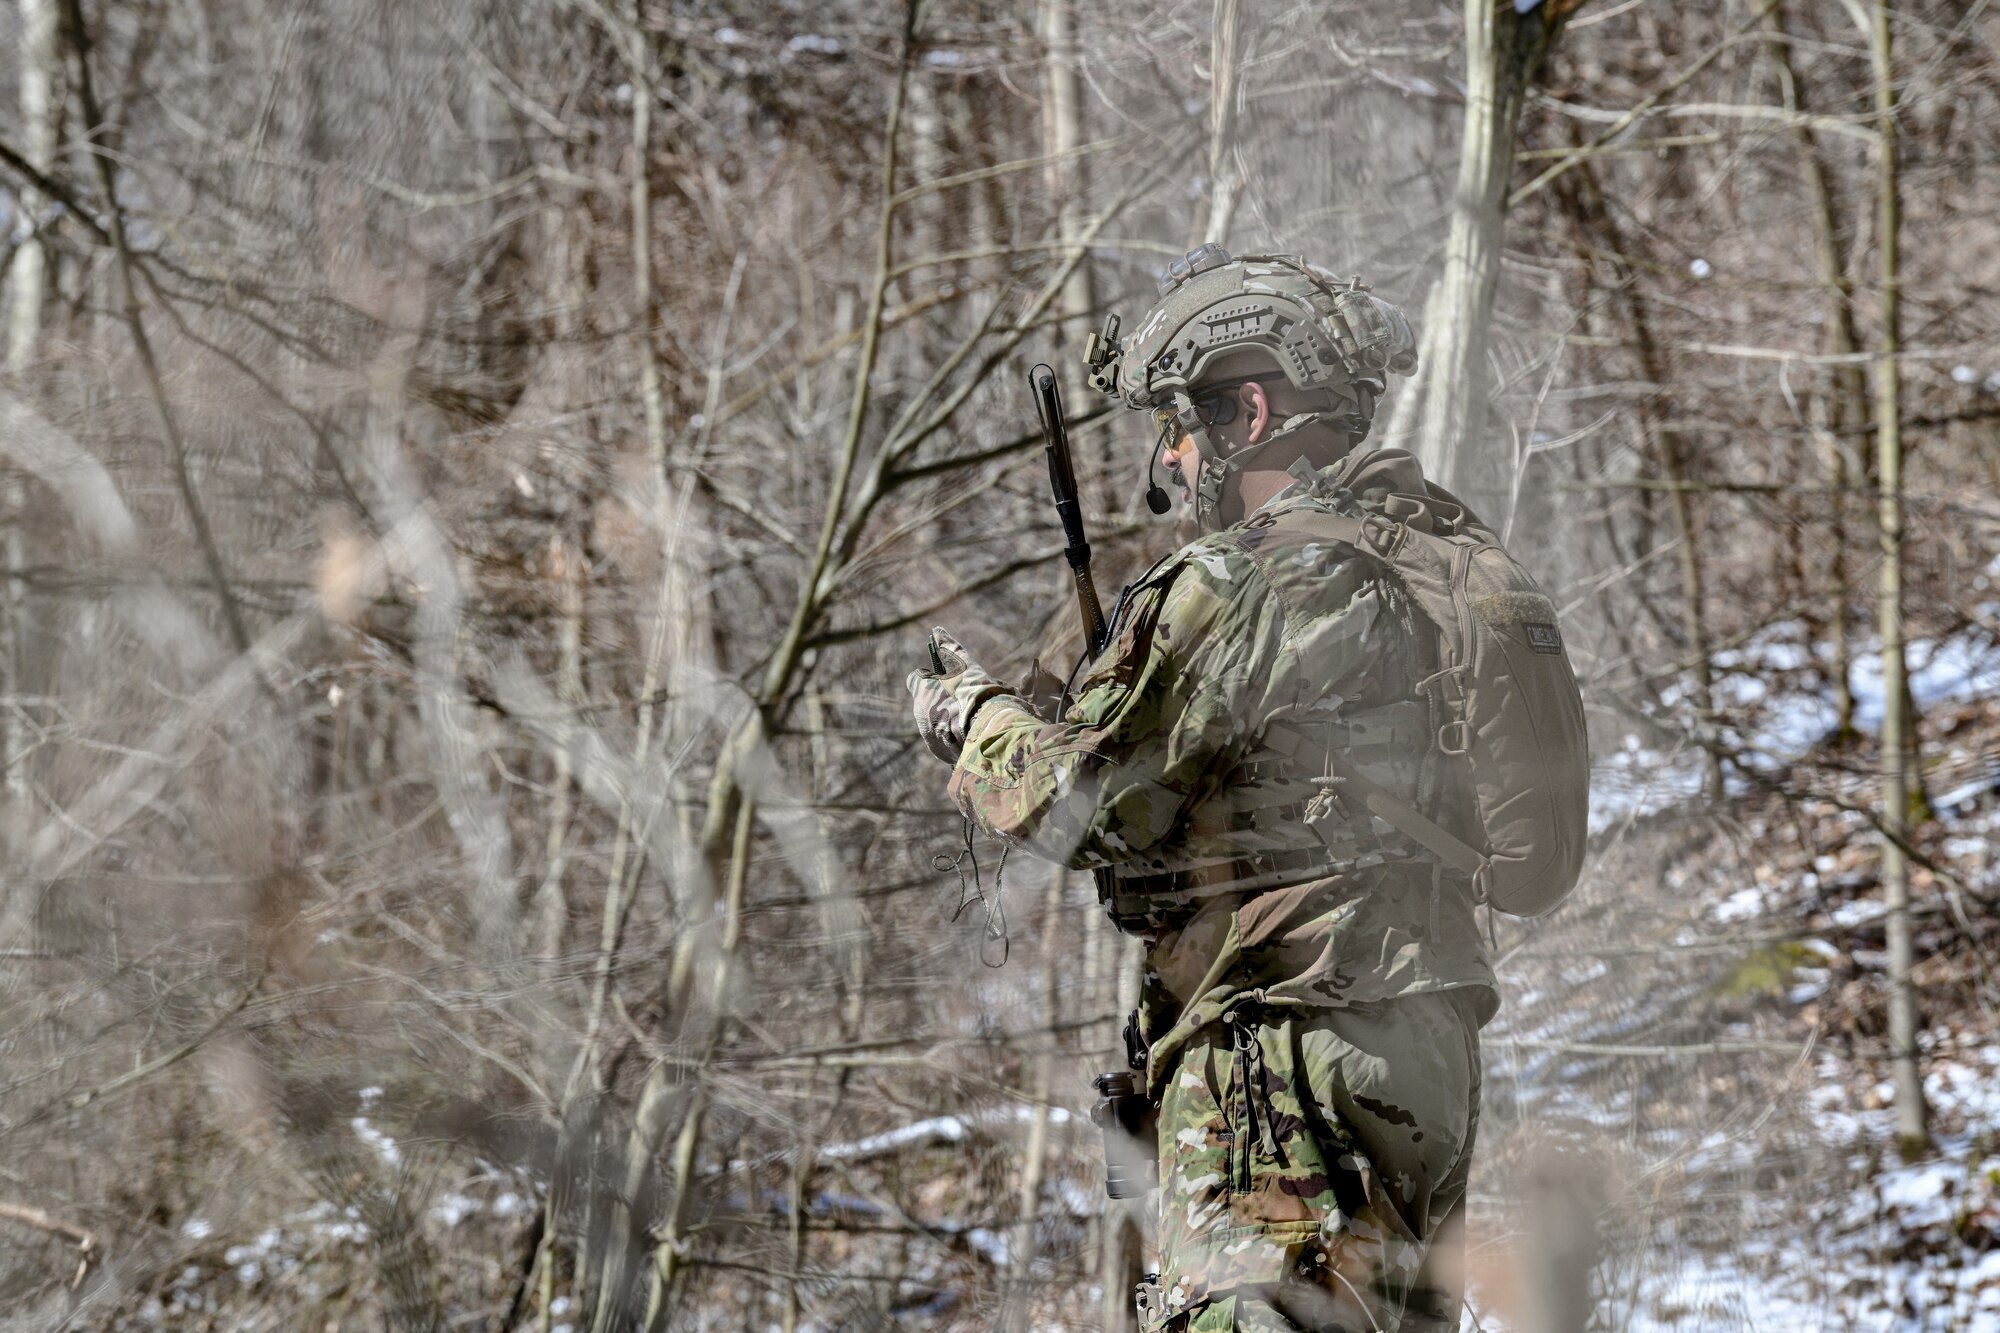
{"x":1157,"y":498}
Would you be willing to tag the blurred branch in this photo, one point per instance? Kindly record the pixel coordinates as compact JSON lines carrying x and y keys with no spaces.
{"x":53,"y":189}
{"x":322,"y":436}
{"x":1666,"y":90}
{"x":953,"y":462}
{"x":1025,"y":247}
{"x":85,"y":1241}
{"x":424,"y":201}
{"x":132,"y":1077}
{"x":908,"y":310}
{"x":1778,"y":115}
{"x":999,"y":574}
{"x":1008,"y":168}
{"x":94,"y":124}
{"x":908,"y":432}
{"x":1830,"y":358}
{"x":1629,"y":146}
{"x":1684,"y":1051}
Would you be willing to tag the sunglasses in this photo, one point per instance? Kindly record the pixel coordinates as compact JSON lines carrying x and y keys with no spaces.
{"x":1215,"y":404}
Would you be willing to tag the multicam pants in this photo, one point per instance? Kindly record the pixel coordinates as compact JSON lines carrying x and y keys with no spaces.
{"x":1309,"y":1160}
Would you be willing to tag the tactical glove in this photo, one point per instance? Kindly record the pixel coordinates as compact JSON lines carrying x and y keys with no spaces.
{"x":945,"y":697}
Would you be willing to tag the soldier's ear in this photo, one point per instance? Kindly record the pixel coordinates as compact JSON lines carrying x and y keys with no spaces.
{"x":1256,"y":411}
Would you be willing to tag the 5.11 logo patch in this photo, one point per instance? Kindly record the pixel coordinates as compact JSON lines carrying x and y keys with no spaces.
{"x":1543,"y":638}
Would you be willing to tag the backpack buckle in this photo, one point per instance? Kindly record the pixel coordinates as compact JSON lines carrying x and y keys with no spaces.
{"x":1454,"y":734}
{"x":1149,"y":1299}
{"x":1482,"y":887}
{"x":1381,"y":535}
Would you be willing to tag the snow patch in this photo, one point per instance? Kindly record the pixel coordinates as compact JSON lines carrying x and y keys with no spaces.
{"x":376,"y":1139}
{"x":945,"y":1128}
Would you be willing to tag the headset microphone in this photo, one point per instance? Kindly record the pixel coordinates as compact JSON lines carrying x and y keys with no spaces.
{"x":1157,"y":499}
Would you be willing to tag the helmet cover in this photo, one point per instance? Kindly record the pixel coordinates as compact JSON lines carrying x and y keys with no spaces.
{"x":1324,"y":332}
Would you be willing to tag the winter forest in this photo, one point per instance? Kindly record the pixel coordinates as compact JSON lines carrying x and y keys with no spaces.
{"x":475,"y":476}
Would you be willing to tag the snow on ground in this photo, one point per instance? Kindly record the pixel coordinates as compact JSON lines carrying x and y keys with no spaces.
{"x":286,"y":1254}
{"x":1862,"y":1242}
{"x":1774,"y":699}
{"x":1913,"y":1249}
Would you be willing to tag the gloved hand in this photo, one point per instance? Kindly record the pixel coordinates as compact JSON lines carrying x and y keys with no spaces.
{"x":944,"y":700}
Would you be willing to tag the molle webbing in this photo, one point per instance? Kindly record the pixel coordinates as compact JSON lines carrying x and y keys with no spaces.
{"x":1291,"y":761}
{"x":1136,"y":895}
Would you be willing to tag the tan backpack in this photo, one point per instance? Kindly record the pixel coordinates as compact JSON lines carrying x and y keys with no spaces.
{"x":1512,"y":712}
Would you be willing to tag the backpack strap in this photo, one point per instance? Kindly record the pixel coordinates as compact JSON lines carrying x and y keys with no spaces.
{"x":1380,"y":536}
{"x":1393,"y":810}
{"x":1370,"y":533}
{"x":1407,"y":820}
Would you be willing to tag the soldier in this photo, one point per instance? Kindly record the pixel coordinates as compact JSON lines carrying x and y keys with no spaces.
{"x":1314,"y":981}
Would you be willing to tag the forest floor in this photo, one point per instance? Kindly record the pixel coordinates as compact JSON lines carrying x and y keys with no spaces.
{"x":1692,"y":1053}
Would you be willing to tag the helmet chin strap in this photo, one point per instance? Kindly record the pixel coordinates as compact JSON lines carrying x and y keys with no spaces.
{"x":1217,"y":468}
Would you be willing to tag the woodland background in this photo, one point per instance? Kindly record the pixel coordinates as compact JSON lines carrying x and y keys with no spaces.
{"x":476,"y":474}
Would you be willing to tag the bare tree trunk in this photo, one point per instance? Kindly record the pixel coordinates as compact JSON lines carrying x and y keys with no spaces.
{"x":616,"y":1304}
{"x":1594,"y":217}
{"x":795,"y":1251}
{"x":96,"y":130}
{"x":39,"y":59}
{"x":1225,"y":62}
{"x":569,"y":559}
{"x":1441,"y":412}
{"x":670,"y":1255}
{"x":1912,"y":1115}
{"x":1066,"y":175}
{"x":1846,"y":402}
{"x":1694,"y":623}
{"x":639,"y":65}
{"x":1034,"y":1167}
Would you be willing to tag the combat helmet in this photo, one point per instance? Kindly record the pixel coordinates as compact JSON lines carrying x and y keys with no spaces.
{"x":1327,"y":334}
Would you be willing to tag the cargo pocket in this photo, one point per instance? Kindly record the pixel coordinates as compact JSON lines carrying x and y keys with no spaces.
{"x":1279,"y":1187}
{"x":1197,"y":1144}
{"x":1197,"y":1160}
{"x":1280,"y":1177}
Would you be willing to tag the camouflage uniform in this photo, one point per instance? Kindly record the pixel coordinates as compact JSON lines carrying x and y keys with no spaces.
{"x":1314,"y":1045}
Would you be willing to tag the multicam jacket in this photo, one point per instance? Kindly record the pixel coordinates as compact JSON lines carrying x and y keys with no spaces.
{"x":1187,"y":764}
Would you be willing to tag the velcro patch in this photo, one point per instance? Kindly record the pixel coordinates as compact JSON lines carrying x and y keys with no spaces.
{"x":1513,"y":606}
{"x":1543,"y":638}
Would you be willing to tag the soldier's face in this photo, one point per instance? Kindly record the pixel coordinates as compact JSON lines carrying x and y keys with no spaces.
{"x":1235,"y":416}
{"x":1180,"y":458}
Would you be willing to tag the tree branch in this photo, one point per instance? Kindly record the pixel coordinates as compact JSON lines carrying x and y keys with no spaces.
{"x":232,"y":612}
{"x":85,"y":1241}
